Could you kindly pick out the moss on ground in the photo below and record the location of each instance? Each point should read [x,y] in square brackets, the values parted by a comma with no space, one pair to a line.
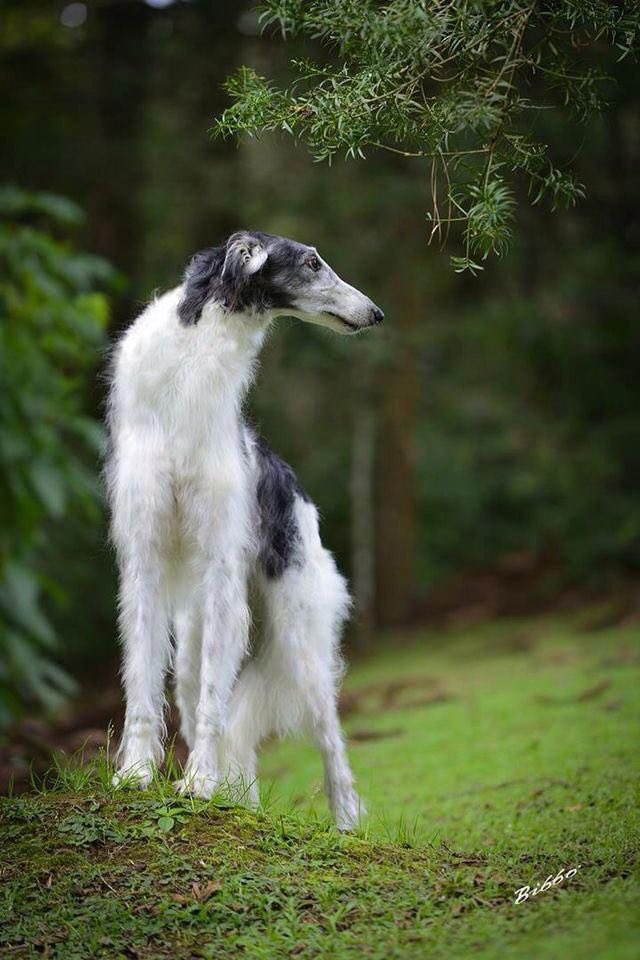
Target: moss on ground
[490,760]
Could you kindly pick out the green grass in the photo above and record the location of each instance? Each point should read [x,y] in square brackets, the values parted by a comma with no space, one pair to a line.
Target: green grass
[489,759]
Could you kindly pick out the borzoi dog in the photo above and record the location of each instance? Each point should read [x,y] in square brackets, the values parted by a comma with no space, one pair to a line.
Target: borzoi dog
[209,524]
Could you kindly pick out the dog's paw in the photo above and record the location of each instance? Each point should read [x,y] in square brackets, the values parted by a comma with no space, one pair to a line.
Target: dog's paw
[137,776]
[348,811]
[197,784]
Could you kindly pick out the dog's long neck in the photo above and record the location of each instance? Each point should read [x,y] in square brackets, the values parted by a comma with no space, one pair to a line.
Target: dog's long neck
[232,341]
[187,381]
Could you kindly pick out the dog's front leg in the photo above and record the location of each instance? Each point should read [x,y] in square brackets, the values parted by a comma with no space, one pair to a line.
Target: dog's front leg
[225,630]
[142,517]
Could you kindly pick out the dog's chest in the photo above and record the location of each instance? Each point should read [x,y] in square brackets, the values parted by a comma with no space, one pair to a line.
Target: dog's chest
[188,385]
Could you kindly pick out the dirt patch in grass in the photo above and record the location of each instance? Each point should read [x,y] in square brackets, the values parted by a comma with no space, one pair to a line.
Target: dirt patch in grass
[405,693]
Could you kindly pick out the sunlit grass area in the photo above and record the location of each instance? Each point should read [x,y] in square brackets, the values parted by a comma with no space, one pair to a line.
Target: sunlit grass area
[490,758]
[506,719]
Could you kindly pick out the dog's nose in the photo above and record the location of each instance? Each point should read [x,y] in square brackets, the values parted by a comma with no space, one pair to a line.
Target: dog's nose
[377,316]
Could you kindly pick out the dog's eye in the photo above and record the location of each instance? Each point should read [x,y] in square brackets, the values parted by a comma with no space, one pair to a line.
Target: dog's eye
[314,263]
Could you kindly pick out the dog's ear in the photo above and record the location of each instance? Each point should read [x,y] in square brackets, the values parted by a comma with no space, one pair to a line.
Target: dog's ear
[199,284]
[223,274]
[245,256]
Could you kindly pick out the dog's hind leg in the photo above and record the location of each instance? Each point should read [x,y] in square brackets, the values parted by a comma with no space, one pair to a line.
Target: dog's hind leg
[300,666]
[311,604]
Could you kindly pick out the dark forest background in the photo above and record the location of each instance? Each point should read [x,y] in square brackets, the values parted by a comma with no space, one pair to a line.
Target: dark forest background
[479,456]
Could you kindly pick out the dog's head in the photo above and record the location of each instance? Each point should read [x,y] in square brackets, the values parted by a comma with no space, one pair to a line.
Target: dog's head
[272,276]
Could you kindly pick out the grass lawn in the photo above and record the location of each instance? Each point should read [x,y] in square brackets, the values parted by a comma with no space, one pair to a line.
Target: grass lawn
[490,759]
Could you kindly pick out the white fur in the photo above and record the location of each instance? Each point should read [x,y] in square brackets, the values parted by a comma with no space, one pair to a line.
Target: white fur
[182,492]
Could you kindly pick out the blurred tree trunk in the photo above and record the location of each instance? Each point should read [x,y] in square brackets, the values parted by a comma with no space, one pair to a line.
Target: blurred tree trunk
[623,171]
[363,516]
[119,54]
[397,513]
